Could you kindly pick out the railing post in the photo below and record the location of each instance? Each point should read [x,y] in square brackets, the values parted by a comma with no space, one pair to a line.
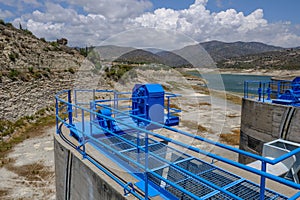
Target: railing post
[259,92]
[56,114]
[146,166]
[263,91]
[70,110]
[278,89]
[82,140]
[138,146]
[245,89]
[263,180]
[168,107]
[75,99]
[92,116]
[269,91]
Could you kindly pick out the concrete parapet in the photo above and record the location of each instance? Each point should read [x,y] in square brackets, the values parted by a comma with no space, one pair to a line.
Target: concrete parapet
[263,122]
[77,178]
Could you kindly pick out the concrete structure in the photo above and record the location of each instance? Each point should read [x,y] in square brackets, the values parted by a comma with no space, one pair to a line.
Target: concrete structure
[77,178]
[106,152]
[263,122]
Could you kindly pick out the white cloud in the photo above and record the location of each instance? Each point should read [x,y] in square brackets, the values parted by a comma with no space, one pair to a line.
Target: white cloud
[229,25]
[113,9]
[102,19]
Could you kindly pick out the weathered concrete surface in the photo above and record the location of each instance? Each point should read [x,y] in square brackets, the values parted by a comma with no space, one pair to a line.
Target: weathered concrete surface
[76,178]
[264,122]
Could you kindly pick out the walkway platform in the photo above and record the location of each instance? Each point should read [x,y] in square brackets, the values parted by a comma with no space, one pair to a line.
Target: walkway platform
[159,169]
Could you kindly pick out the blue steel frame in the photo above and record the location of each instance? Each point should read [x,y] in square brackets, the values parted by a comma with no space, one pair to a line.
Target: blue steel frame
[265,91]
[66,104]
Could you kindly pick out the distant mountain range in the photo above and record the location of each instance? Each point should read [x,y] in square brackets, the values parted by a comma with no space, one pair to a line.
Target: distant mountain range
[221,50]
[225,55]
[288,59]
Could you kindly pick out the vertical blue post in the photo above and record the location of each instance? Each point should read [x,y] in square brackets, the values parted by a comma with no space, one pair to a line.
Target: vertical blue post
[82,139]
[75,99]
[115,97]
[138,145]
[146,166]
[70,109]
[245,82]
[263,91]
[259,92]
[263,180]
[278,89]
[146,109]
[92,117]
[56,114]
[168,107]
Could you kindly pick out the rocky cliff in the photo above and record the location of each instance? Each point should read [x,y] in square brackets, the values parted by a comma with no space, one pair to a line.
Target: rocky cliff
[32,71]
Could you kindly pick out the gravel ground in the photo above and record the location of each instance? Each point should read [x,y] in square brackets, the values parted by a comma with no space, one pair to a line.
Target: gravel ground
[30,171]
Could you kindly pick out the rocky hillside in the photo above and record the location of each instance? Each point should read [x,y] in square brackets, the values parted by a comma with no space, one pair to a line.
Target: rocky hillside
[139,56]
[19,49]
[285,59]
[222,50]
[32,71]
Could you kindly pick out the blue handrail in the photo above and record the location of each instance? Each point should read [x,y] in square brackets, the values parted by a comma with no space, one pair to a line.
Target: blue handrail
[68,103]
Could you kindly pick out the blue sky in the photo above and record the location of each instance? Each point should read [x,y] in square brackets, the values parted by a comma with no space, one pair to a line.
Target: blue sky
[274,10]
[274,22]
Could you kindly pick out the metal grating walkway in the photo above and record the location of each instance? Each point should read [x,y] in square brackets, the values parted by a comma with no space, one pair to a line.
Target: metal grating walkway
[159,159]
[160,169]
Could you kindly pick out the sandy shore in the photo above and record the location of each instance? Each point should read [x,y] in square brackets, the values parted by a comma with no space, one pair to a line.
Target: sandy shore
[259,72]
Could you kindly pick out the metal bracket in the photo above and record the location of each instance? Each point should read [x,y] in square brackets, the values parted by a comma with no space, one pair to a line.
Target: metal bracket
[128,188]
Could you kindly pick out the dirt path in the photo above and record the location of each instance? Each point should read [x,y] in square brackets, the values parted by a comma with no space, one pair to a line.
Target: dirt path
[29,173]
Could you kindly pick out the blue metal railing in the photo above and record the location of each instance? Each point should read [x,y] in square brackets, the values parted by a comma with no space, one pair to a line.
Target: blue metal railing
[71,107]
[270,91]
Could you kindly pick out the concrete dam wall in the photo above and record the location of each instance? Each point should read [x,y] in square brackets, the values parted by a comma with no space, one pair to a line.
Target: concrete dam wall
[263,122]
[77,178]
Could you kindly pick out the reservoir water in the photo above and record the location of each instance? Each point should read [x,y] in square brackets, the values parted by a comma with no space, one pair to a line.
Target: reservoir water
[232,82]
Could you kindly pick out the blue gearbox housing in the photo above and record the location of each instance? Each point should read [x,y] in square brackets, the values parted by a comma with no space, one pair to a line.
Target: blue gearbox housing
[148,103]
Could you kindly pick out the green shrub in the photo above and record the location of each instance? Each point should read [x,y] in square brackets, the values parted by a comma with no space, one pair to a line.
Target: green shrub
[2,22]
[13,74]
[9,24]
[54,44]
[13,56]
[37,75]
[30,69]
[47,69]
[117,71]
[27,32]
[6,128]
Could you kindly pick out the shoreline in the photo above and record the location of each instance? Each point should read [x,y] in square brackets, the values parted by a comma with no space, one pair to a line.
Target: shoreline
[257,72]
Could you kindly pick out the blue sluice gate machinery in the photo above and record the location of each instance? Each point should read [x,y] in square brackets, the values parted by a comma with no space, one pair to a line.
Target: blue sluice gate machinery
[283,92]
[123,127]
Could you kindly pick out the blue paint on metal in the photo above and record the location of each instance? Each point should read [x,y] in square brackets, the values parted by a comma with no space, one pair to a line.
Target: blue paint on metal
[148,102]
[157,167]
[152,192]
[263,180]
[278,92]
